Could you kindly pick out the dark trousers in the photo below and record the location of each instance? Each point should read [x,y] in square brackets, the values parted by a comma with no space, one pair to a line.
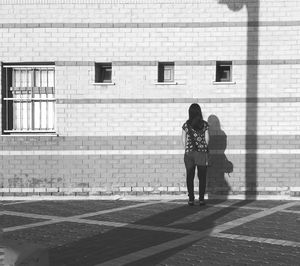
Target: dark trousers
[190,166]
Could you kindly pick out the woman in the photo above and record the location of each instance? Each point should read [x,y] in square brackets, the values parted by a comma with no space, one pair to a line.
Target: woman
[195,139]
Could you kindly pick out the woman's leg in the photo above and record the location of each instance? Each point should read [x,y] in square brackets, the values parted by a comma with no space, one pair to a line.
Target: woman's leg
[190,175]
[202,181]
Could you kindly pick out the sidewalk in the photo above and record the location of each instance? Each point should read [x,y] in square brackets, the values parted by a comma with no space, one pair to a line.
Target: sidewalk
[157,232]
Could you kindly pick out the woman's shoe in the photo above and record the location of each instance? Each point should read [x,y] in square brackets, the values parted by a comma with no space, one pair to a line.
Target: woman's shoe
[191,203]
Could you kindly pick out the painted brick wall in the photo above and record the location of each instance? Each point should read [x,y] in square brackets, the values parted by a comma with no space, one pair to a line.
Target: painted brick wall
[126,137]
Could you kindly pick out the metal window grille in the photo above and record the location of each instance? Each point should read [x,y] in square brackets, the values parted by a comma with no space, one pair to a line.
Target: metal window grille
[29,99]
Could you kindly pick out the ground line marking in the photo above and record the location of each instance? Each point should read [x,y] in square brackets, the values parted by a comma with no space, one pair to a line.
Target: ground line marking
[291,211]
[33,215]
[258,239]
[251,217]
[19,202]
[228,206]
[137,226]
[196,215]
[58,219]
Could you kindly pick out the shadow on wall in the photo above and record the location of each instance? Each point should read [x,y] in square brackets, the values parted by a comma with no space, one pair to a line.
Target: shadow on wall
[252,7]
[218,162]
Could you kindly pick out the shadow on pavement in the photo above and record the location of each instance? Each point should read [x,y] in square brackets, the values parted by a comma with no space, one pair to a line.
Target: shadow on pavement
[123,241]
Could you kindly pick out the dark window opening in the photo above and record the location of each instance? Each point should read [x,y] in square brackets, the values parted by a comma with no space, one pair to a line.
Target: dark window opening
[103,72]
[224,71]
[166,72]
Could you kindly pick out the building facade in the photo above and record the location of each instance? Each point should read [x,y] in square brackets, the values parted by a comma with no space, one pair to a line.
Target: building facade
[95,92]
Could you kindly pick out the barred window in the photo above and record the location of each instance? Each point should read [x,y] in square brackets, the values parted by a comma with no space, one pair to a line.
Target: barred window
[28,94]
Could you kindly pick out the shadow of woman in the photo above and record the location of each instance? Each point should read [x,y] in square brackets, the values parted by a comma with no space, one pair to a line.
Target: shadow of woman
[219,165]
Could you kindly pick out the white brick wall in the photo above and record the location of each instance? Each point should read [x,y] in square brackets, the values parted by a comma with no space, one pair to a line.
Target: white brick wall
[192,81]
[156,44]
[14,11]
[167,119]
[146,44]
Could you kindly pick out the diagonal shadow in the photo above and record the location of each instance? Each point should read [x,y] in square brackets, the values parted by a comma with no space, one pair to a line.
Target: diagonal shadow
[207,222]
[119,242]
[251,89]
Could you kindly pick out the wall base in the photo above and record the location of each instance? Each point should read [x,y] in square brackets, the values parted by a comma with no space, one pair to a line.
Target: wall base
[140,193]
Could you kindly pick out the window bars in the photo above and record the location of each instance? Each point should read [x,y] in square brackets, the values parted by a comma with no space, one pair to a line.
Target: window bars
[29,99]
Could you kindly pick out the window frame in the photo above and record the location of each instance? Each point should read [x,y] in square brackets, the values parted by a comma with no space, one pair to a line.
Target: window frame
[100,67]
[218,74]
[9,90]
[161,68]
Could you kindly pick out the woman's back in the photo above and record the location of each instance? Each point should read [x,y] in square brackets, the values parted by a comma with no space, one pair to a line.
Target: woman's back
[195,138]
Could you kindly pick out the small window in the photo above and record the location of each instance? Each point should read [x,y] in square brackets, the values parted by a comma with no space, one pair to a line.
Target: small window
[28,95]
[103,72]
[224,71]
[166,72]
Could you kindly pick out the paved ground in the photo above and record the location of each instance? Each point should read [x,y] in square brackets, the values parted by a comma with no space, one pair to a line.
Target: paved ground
[123,232]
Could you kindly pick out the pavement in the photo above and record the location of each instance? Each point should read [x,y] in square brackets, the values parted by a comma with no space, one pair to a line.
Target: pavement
[141,231]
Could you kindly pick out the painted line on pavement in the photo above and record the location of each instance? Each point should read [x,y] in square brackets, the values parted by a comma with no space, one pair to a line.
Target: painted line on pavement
[33,225]
[54,217]
[291,211]
[136,226]
[19,202]
[237,207]
[32,215]
[240,207]
[195,216]
[147,252]
[252,217]
[227,206]
[258,239]
[58,219]
[115,209]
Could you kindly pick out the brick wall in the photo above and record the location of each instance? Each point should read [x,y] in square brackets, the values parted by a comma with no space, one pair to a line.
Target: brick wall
[125,137]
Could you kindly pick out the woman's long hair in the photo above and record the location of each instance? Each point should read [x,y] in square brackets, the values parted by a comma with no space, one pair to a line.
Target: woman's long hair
[195,117]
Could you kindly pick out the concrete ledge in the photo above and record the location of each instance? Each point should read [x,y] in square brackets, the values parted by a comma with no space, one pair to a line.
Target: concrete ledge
[291,193]
[147,196]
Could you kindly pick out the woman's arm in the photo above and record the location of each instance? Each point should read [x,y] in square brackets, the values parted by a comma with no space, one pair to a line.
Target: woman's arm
[206,137]
[183,137]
